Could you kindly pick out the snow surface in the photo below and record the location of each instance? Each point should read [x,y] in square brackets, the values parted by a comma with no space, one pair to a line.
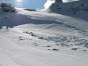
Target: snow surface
[43,39]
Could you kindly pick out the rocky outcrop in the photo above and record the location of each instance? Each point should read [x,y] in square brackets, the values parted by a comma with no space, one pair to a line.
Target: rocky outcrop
[58,1]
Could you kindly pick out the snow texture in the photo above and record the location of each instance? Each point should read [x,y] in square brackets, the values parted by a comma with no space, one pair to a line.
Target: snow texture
[43,38]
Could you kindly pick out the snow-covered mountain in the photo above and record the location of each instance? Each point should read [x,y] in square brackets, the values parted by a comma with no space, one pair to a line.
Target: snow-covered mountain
[70,7]
[48,37]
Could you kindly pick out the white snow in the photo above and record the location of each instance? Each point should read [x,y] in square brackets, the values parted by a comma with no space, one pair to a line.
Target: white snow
[43,39]
[48,3]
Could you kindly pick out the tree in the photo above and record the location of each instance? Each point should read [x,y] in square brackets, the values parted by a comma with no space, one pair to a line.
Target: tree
[7,7]
[3,5]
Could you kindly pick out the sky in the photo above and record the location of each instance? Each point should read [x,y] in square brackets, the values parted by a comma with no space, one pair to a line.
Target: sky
[32,4]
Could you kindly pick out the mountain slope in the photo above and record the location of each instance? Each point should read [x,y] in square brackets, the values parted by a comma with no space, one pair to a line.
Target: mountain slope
[74,7]
[42,39]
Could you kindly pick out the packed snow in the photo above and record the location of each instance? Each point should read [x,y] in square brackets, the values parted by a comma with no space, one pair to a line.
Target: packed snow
[39,38]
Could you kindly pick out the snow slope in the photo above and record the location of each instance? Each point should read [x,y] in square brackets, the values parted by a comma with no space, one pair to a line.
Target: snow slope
[70,8]
[42,39]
